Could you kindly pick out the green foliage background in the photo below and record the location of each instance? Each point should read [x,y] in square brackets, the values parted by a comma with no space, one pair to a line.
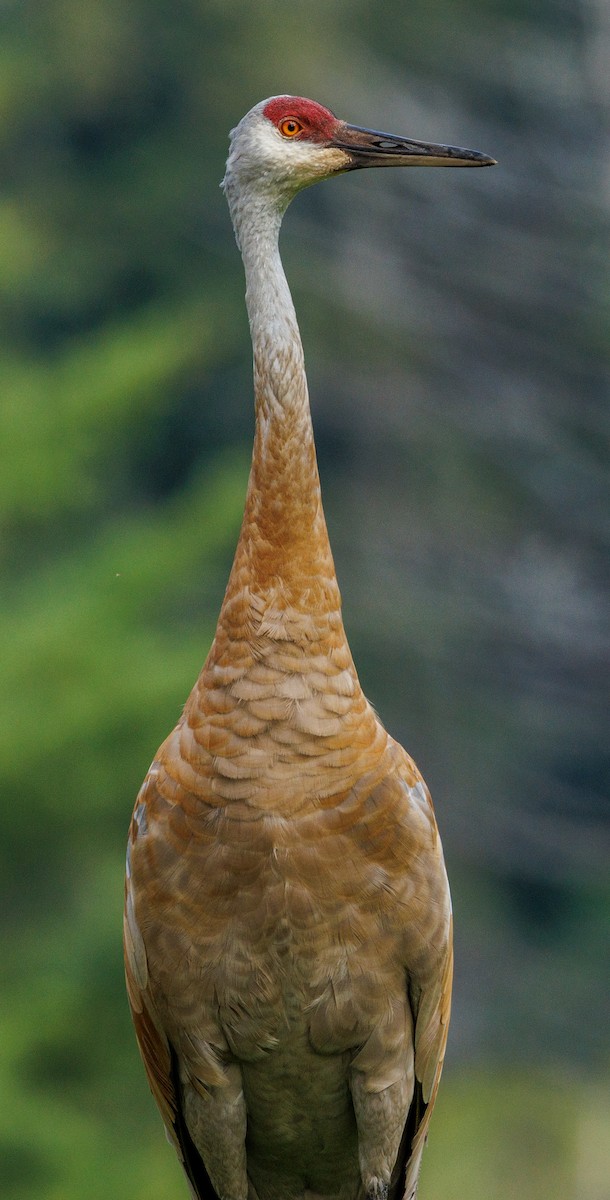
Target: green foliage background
[456,335]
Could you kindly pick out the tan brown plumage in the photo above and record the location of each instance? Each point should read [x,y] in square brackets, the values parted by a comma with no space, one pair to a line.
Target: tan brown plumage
[287,920]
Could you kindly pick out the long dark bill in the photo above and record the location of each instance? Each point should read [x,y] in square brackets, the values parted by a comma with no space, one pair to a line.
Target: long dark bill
[368,148]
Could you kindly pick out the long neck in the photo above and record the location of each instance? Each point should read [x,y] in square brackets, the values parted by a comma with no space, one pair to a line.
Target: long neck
[283,542]
[279,690]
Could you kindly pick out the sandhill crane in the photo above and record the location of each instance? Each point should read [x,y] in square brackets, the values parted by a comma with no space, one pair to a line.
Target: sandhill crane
[288,921]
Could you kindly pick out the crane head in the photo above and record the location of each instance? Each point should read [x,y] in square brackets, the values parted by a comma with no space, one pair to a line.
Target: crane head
[287,142]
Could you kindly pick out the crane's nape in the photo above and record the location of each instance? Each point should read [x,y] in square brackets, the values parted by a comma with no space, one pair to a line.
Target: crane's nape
[289,140]
[288,927]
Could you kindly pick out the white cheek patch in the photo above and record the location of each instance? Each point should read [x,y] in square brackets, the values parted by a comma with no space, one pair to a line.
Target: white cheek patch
[259,151]
[316,162]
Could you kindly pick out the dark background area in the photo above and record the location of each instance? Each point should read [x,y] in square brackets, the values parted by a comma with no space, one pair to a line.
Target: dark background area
[456,330]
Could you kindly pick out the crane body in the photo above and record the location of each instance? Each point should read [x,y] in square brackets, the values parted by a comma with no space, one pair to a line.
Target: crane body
[287,920]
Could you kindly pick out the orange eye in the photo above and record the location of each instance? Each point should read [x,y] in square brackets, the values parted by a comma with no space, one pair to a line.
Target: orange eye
[289,127]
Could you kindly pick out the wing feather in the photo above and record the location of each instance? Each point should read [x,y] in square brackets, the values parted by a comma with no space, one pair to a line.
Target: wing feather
[159,1057]
[431,1028]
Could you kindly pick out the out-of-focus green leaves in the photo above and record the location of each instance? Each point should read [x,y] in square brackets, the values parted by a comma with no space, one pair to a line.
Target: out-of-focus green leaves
[524,1135]
[66,421]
